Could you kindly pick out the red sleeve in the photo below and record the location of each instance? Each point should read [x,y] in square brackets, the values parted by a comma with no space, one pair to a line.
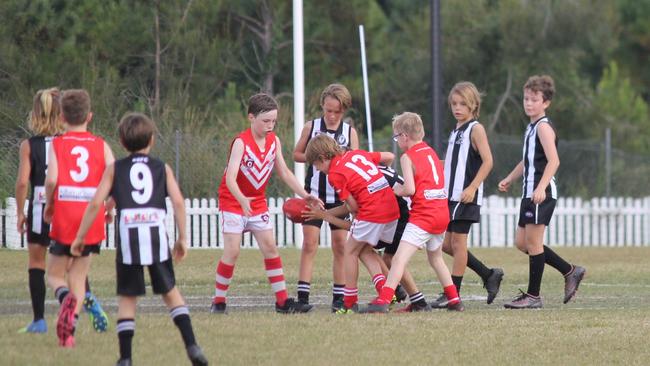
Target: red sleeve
[338,182]
[376,157]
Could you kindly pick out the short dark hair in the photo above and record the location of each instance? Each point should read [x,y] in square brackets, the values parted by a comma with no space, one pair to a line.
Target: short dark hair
[543,84]
[261,103]
[136,130]
[75,105]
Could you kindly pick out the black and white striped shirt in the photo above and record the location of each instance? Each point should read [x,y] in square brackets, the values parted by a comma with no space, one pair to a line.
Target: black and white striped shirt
[38,158]
[393,178]
[315,182]
[139,190]
[462,163]
[535,160]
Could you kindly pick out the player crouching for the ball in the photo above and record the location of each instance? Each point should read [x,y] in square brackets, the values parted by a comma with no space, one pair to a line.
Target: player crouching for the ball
[242,201]
[364,189]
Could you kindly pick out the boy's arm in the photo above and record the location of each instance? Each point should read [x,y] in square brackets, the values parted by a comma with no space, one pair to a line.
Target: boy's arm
[108,155]
[174,192]
[289,178]
[92,209]
[236,154]
[301,145]
[354,139]
[517,172]
[408,188]
[50,184]
[386,158]
[330,216]
[547,138]
[479,139]
[22,184]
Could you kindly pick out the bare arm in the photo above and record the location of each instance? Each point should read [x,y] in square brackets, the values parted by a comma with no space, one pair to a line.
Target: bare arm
[174,192]
[22,183]
[480,142]
[330,216]
[236,154]
[50,184]
[386,158]
[547,138]
[517,172]
[408,188]
[289,178]
[301,145]
[108,155]
[354,139]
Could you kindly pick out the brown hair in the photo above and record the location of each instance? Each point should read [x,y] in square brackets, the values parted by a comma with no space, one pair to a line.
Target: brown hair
[45,117]
[322,147]
[75,104]
[338,92]
[410,124]
[543,84]
[135,130]
[470,95]
[261,103]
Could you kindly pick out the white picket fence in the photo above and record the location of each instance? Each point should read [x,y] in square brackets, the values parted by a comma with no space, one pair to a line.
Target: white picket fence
[576,222]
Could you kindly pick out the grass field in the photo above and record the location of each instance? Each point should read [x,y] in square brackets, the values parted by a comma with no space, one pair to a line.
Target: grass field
[608,323]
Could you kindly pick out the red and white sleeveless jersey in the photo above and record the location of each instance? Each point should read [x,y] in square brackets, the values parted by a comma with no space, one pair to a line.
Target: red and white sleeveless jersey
[429,208]
[80,161]
[254,171]
[355,173]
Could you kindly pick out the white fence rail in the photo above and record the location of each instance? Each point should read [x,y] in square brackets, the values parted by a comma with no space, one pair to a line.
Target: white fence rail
[576,222]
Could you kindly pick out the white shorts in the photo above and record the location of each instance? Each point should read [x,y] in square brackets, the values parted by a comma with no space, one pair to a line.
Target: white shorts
[233,223]
[414,235]
[372,232]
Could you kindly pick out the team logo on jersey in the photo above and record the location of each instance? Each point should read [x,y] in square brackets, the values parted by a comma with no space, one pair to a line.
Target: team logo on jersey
[249,163]
[342,140]
[459,139]
[265,218]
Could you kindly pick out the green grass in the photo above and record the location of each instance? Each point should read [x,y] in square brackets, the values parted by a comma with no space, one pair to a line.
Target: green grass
[608,323]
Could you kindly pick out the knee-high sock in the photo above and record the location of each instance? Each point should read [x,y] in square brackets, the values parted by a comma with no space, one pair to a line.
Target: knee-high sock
[37,292]
[276,277]
[222,282]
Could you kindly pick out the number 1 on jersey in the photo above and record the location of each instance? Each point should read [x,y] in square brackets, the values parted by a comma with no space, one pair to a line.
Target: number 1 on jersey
[436,178]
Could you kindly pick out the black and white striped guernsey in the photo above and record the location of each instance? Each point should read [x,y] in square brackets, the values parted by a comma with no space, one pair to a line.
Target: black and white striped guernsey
[535,161]
[462,162]
[393,178]
[315,182]
[38,158]
[139,190]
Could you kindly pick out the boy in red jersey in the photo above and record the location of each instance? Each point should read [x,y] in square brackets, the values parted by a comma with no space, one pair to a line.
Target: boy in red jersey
[364,189]
[242,201]
[76,163]
[424,182]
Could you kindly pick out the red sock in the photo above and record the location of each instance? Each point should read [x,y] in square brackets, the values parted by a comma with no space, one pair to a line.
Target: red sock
[350,296]
[451,294]
[276,278]
[379,280]
[224,275]
[386,294]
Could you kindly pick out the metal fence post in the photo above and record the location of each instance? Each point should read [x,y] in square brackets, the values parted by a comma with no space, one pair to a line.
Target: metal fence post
[177,146]
[608,162]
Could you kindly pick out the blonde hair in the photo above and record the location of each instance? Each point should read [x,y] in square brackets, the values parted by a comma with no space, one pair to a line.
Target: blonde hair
[410,124]
[543,84]
[45,117]
[322,147]
[338,92]
[470,94]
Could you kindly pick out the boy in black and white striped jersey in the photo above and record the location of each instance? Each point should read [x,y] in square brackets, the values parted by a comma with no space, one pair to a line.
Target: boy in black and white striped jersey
[467,163]
[139,184]
[538,166]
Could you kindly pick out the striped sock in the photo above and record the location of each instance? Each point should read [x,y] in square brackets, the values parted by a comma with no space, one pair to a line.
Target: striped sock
[416,297]
[125,332]
[181,317]
[61,293]
[303,291]
[350,296]
[276,278]
[379,280]
[223,277]
[337,291]
[452,294]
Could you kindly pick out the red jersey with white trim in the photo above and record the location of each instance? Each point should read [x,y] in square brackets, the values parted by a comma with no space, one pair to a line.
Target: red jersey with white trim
[429,207]
[81,163]
[355,173]
[254,171]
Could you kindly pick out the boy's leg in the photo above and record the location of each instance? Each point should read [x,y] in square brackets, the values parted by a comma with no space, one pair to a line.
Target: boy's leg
[573,274]
[91,305]
[339,238]
[126,325]
[310,235]
[491,276]
[373,263]
[225,270]
[442,272]
[37,288]
[274,270]
[351,261]
[459,247]
[181,317]
[533,235]
[416,298]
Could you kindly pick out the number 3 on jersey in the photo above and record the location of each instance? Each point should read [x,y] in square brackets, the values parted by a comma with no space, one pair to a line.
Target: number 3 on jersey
[141,180]
[365,174]
[82,163]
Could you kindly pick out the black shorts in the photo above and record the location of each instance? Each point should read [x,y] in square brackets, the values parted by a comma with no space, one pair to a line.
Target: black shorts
[460,226]
[57,248]
[319,223]
[464,211]
[391,248]
[530,213]
[130,278]
[42,238]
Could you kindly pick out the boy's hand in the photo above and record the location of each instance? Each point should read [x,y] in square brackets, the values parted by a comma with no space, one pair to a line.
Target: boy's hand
[109,217]
[21,223]
[467,196]
[76,247]
[314,213]
[246,206]
[48,212]
[313,201]
[539,195]
[504,185]
[180,250]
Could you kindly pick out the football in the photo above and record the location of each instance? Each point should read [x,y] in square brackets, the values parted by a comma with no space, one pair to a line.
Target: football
[293,208]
